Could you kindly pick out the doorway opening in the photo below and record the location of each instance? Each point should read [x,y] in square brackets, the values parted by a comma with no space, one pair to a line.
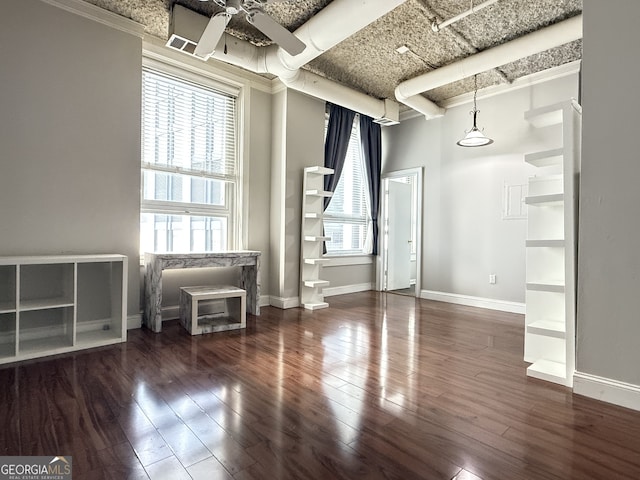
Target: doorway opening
[401,239]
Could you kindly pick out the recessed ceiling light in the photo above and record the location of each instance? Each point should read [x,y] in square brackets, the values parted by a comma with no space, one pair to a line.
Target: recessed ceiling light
[402,49]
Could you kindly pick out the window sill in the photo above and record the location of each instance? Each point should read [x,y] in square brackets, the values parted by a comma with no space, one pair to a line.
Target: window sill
[345,260]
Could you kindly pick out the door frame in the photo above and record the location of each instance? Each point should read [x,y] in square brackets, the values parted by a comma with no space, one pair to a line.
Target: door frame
[416,173]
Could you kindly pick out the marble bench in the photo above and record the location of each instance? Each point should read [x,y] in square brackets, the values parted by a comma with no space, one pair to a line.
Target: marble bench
[234,317]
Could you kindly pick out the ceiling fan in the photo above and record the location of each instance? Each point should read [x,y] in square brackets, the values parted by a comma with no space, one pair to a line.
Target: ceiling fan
[256,17]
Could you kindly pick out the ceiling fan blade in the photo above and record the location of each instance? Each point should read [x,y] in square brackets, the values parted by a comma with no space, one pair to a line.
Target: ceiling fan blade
[211,35]
[276,32]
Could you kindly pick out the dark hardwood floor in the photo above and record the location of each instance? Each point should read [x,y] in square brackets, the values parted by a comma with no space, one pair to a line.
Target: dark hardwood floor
[376,386]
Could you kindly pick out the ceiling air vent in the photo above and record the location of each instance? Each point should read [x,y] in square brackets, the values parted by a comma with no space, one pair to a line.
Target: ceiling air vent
[185,29]
[391,114]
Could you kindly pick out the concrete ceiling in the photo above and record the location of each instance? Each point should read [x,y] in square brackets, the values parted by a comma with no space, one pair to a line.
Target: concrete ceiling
[368,61]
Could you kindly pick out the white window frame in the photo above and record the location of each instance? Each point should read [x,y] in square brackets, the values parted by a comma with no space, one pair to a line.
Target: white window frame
[232,210]
[346,218]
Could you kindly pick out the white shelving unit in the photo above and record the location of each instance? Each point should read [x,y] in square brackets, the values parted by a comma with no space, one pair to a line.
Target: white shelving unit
[311,260]
[551,247]
[58,304]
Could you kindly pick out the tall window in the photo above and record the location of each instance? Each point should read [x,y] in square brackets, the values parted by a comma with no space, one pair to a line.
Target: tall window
[189,166]
[347,216]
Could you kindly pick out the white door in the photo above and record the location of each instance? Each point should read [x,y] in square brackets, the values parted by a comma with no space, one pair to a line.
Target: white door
[399,239]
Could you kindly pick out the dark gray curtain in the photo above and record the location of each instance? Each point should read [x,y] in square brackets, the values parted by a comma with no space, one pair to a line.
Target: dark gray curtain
[336,144]
[371,139]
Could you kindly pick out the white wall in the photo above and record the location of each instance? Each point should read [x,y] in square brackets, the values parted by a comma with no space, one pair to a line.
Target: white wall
[608,329]
[464,236]
[70,136]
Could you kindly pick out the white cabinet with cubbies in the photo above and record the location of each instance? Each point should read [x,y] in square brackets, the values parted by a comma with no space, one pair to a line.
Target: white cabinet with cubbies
[311,262]
[551,247]
[58,304]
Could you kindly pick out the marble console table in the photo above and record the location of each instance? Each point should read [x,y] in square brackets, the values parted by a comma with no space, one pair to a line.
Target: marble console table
[249,260]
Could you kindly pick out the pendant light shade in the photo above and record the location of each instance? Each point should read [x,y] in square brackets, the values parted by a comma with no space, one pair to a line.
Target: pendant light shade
[475,137]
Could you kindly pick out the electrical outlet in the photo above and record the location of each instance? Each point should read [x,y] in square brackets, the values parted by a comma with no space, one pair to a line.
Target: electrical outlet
[492,278]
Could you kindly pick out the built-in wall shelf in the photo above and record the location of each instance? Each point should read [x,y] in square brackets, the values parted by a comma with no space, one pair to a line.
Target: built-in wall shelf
[552,328]
[546,287]
[316,283]
[58,304]
[316,238]
[319,170]
[552,200]
[318,193]
[313,238]
[548,370]
[558,243]
[551,247]
[545,159]
[315,306]
[317,261]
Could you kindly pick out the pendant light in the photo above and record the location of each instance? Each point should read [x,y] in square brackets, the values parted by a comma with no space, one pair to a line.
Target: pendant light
[475,137]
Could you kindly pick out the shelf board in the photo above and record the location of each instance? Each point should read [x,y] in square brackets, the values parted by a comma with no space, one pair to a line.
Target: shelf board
[544,116]
[45,303]
[44,346]
[546,287]
[318,193]
[315,306]
[549,328]
[548,370]
[545,243]
[316,283]
[546,178]
[95,338]
[546,158]
[316,238]
[319,170]
[317,261]
[7,307]
[545,200]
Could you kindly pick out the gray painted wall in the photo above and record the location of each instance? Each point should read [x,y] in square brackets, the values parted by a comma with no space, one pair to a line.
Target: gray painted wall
[464,236]
[276,214]
[345,275]
[298,142]
[305,148]
[259,185]
[608,329]
[70,136]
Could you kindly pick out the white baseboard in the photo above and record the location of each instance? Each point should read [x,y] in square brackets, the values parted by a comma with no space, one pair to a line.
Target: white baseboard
[358,287]
[490,303]
[284,303]
[608,390]
[134,321]
[265,300]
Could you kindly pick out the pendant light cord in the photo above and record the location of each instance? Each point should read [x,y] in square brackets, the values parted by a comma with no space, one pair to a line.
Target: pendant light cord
[475,94]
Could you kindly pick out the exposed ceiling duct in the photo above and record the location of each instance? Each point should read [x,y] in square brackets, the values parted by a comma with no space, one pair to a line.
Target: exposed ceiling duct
[336,22]
[408,92]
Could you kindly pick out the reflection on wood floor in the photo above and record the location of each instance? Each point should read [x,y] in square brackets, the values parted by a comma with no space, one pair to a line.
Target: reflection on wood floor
[377,386]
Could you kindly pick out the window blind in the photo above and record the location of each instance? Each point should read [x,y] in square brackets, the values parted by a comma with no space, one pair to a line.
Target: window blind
[346,216]
[190,175]
[187,128]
